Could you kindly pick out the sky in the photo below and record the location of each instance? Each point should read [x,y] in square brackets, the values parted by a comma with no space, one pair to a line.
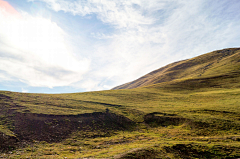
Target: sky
[67,46]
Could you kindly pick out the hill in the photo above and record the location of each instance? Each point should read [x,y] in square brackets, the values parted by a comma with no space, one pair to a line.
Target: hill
[192,117]
[211,65]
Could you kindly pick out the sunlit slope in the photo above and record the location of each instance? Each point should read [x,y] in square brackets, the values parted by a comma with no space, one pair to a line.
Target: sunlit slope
[166,116]
[214,64]
[199,113]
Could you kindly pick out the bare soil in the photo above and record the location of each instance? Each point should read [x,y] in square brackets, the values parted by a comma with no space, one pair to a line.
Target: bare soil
[55,128]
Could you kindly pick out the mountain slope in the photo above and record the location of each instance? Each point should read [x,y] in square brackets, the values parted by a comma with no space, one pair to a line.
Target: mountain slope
[216,63]
[193,115]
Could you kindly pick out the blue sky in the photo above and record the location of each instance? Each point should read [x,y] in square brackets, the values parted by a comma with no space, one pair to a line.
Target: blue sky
[64,46]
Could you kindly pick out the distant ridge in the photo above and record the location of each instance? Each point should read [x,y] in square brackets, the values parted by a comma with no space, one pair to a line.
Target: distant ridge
[213,64]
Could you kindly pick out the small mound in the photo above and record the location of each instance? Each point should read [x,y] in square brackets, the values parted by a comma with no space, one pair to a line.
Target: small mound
[137,154]
[163,119]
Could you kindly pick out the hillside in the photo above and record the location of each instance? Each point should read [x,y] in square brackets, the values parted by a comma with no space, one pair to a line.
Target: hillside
[213,64]
[192,116]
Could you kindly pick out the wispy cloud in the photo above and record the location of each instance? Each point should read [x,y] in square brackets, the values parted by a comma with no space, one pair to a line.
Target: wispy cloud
[122,14]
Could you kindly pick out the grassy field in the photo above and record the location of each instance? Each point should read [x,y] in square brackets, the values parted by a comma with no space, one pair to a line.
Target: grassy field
[210,126]
[194,117]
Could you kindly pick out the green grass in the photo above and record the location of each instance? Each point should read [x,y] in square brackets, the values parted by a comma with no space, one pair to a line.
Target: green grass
[200,116]
[217,107]
[6,131]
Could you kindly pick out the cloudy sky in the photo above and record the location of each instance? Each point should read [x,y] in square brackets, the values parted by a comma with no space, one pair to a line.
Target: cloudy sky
[61,46]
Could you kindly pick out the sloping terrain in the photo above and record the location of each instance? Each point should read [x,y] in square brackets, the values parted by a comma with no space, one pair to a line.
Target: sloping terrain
[132,123]
[214,64]
[193,117]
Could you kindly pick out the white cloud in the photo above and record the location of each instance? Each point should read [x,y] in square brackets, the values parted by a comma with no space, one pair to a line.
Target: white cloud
[35,51]
[121,14]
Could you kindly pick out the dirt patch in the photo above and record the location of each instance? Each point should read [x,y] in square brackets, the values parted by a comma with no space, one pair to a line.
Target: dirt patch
[55,128]
[163,119]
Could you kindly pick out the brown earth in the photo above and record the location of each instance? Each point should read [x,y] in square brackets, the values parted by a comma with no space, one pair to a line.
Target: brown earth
[29,127]
[55,128]
[163,119]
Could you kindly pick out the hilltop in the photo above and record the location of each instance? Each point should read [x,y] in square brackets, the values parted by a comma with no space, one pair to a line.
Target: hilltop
[188,109]
[211,65]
